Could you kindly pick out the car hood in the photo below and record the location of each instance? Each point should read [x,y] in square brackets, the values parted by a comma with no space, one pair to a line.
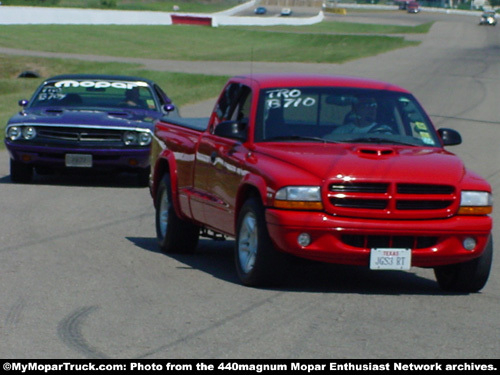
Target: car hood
[87,117]
[367,163]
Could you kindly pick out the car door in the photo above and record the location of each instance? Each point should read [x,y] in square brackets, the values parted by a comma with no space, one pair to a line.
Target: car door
[222,169]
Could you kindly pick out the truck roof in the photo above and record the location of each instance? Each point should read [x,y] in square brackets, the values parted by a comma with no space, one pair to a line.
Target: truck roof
[267,80]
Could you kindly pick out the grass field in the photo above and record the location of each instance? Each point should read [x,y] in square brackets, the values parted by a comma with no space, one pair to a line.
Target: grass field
[183,42]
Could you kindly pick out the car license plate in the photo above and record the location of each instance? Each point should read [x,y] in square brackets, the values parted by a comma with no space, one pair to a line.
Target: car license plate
[390,259]
[79,160]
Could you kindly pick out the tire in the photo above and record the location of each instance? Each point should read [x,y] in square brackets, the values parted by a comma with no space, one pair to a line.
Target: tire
[174,234]
[468,277]
[257,261]
[20,172]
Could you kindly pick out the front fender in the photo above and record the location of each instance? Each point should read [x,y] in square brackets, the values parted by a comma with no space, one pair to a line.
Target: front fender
[252,185]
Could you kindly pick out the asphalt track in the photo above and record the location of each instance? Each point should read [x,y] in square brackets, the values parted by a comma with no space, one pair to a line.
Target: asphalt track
[81,275]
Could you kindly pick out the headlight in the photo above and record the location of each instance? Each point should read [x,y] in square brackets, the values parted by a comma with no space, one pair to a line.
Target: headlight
[14,132]
[25,132]
[299,197]
[144,138]
[475,203]
[29,132]
[130,138]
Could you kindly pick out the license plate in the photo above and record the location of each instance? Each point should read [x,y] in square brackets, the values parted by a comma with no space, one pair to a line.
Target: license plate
[78,160]
[390,259]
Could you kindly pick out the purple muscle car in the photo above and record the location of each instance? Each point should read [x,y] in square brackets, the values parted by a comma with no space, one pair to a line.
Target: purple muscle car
[91,122]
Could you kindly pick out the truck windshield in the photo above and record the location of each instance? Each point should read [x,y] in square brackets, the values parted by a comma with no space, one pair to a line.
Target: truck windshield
[342,115]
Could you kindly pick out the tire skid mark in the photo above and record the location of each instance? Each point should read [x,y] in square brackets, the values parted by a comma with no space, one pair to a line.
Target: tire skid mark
[14,314]
[69,331]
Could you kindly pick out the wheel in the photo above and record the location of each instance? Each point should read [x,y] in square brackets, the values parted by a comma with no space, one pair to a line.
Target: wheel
[20,172]
[468,277]
[174,234]
[257,261]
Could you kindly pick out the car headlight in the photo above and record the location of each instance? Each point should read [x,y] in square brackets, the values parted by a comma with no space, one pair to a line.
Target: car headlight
[17,132]
[475,203]
[14,133]
[144,138]
[299,197]
[130,138]
[29,132]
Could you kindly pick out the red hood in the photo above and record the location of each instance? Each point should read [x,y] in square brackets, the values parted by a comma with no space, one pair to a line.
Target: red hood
[371,162]
[376,181]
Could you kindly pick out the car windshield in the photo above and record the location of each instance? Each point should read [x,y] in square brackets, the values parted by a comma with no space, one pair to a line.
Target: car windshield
[94,93]
[342,115]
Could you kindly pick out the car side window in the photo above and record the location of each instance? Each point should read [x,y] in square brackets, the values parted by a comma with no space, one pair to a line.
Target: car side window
[242,105]
[228,101]
[162,96]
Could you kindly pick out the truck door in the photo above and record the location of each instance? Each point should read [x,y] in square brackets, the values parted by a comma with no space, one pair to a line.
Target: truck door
[223,161]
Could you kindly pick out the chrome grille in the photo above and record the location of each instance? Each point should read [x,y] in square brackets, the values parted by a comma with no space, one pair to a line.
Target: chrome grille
[79,134]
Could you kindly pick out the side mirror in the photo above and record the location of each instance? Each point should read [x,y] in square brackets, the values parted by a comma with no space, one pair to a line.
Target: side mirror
[169,107]
[450,137]
[23,102]
[232,129]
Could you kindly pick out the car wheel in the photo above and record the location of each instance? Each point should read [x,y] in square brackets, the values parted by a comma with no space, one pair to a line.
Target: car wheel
[174,234]
[257,261]
[468,277]
[20,172]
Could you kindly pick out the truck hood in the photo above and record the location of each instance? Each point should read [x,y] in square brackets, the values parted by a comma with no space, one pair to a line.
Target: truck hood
[376,181]
[91,117]
[369,162]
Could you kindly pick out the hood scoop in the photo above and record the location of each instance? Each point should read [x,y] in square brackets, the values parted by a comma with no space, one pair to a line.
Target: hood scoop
[119,114]
[375,151]
[53,111]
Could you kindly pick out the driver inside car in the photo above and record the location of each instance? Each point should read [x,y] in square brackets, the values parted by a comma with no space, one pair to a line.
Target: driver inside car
[133,98]
[362,119]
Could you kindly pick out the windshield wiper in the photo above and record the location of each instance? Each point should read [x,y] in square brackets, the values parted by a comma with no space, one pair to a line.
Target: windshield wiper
[369,139]
[298,138]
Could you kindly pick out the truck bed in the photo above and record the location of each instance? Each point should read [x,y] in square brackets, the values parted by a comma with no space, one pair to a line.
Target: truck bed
[194,123]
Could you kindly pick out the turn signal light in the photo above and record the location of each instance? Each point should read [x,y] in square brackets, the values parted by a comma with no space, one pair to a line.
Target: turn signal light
[483,210]
[298,205]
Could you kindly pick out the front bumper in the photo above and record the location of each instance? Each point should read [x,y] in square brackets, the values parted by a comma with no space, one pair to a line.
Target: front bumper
[349,240]
[102,158]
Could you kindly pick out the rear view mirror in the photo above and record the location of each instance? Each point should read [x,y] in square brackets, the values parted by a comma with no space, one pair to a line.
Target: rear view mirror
[232,129]
[450,137]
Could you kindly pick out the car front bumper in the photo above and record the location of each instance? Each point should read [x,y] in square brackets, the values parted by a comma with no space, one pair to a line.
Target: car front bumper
[350,240]
[102,158]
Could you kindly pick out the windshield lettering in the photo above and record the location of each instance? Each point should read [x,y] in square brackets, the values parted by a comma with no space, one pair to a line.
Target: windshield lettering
[339,114]
[99,84]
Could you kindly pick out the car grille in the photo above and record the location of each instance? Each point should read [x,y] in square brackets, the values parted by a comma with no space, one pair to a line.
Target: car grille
[391,200]
[78,134]
[401,242]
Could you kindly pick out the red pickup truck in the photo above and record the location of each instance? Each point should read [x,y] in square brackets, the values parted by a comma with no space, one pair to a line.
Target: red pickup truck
[334,169]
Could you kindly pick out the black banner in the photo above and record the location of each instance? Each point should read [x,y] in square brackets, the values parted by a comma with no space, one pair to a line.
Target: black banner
[250,366]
